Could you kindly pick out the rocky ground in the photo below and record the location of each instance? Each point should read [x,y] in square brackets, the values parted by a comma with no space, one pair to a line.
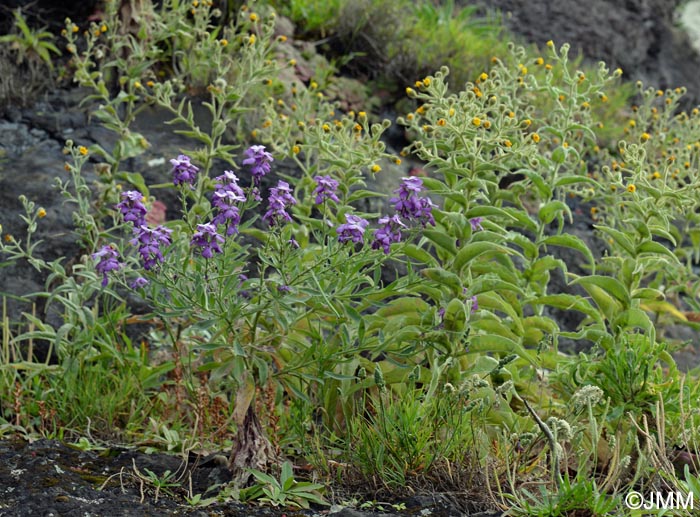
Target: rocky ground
[50,478]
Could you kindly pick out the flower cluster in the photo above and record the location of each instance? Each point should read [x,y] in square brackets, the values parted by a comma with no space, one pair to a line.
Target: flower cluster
[108,261]
[149,241]
[409,205]
[183,171]
[388,233]
[260,164]
[353,229]
[326,189]
[226,195]
[280,198]
[208,239]
[132,207]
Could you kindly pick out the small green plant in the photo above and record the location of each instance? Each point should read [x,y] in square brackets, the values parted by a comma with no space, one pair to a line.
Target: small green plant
[286,491]
[30,44]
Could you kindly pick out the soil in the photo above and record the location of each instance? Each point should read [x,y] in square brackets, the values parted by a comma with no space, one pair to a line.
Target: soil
[50,478]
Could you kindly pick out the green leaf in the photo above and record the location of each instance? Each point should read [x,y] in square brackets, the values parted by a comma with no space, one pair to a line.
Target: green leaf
[572,180]
[419,254]
[568,240]
[619,237]
[648,293]
[493,343]
[632,318]
[656,248]
[473,250]
[567,301]
[610,285]
[442,240]
[443,277]
[549,211]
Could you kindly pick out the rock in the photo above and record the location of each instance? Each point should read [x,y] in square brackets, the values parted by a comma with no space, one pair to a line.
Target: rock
[640,36]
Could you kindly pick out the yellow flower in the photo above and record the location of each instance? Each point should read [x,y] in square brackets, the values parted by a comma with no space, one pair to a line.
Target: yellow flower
[562,97]
[550,44]
[83,150]
[585,105]
[441,122]
[477,91]
[547,66]
[487,124]
[613,188]
[483,76]
[362,115]
[410,92]
[594,210]
[253,17]
[476,121]
[397,161]
[632,123]
[644,137]
[656,175]
[426,81]
[357,128]
[41,213]
[326,127]
[659,93]
[150,84]
[267,123]
[603,98]
[296,149]
[695,111]
[8,237]
[686,165]
[292,62]
[618,72]
[103,28]
[223,42]
[74,28]
[251,39]
[451,112]
[539,61]
[375,168]
[410,116]
[535,137]
[631,188]
[527,122]
[282,38]
[507,143]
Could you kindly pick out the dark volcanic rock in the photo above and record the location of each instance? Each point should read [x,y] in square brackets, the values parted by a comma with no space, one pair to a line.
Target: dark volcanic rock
[642,37]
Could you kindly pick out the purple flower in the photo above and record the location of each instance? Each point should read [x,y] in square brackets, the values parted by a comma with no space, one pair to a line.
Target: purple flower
[409,205]
[183,170]
[108,261]
[475,222]
[259,160]
[138,283]
[475,304]
[326,189]
[208,239]
[132,207]
[293,243]
[228,181]
[353,229]
[149,242]
[390,232]
[280,198]
[284,288]
[227,213]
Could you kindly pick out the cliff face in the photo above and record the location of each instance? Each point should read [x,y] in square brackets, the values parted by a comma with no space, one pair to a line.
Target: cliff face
[643,37]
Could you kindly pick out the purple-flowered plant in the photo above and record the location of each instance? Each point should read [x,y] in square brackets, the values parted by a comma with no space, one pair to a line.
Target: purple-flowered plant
[108,261]
[138,283]
[409,205]
[183,170]
[132,208]
[227,213]
[280,199]
[259,160]
[208,239]
[388,233]
[353,229]
[326,189]
[475,223]
[228,181]
[149,241]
